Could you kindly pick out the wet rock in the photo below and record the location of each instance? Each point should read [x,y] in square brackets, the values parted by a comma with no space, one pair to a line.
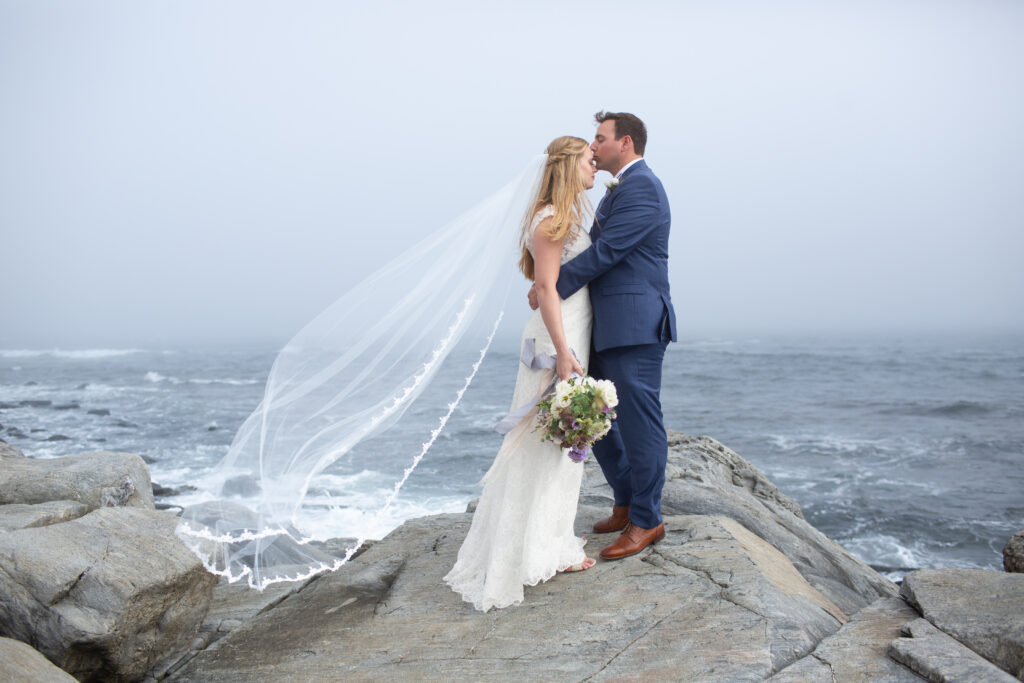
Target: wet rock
[81,478]
[19,516]
[21,663]
[67,406]
[35,403]
[1013,553]
[58,437]
[165,491]
[244,485]
[982,609]
[102,412]
[104,596]
[7,406]
[125,424]
[938,657]
[16,433]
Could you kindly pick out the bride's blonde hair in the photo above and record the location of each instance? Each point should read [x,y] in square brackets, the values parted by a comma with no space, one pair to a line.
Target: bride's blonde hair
[561,186]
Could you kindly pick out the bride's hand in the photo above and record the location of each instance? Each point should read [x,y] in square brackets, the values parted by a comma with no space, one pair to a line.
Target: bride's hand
[533,299]
[566,364]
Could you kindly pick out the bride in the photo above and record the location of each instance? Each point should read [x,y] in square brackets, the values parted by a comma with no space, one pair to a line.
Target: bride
[522,530]
[353,371]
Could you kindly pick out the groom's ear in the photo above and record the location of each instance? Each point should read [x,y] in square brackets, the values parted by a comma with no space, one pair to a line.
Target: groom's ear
[627,143]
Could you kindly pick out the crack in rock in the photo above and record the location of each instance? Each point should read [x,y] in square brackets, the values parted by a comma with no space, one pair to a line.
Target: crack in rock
[633,642]
[831,671]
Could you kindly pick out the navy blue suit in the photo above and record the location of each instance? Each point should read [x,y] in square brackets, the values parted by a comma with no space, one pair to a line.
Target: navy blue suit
[627,270]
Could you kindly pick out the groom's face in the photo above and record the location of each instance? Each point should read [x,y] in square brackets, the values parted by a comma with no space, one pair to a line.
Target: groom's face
[607,150]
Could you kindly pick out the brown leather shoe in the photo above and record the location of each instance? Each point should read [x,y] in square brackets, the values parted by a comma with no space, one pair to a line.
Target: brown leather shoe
[633,540]
[617,522]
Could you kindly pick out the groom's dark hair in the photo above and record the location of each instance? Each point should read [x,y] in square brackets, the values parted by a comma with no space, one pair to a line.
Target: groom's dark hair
[626,124]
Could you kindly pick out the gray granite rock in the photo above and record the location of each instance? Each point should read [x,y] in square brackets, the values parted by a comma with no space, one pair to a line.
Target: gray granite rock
[1013,553]
[942,659]
[704,477]
[982,609]
[20,663]
[9,451]
[104,596]
[82,478]
[858,652]
[710,602]
[18,516]
[232,605]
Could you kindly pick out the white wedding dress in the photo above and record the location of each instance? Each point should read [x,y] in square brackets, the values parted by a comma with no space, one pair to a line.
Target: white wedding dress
[522,530]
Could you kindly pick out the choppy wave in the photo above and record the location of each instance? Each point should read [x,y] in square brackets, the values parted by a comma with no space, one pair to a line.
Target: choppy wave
[952,409]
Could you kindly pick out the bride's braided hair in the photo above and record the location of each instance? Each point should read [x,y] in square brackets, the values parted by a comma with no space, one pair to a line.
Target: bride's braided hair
[562,187]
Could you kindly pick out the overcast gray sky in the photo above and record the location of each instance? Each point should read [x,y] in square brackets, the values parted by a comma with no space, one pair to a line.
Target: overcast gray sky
[191,172]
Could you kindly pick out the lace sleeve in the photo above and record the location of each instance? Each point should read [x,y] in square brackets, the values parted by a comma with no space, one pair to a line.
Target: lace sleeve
[538,218]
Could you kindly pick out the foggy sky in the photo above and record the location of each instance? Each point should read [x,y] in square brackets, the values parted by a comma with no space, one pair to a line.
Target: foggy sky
[175,173]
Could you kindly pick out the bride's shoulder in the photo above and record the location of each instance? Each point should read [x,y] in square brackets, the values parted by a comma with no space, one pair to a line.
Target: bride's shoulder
[546,211]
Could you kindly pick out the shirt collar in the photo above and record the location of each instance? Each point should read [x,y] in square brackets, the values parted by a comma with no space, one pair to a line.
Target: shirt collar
[623,169]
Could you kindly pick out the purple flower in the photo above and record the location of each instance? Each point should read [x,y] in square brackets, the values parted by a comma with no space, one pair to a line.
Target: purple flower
[578,453]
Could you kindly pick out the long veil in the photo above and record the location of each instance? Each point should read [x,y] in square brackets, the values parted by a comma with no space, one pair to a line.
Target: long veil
[347,376]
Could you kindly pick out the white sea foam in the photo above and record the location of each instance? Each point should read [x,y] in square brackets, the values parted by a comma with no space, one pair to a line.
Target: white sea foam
[898,557]
[79,354]
[156,377]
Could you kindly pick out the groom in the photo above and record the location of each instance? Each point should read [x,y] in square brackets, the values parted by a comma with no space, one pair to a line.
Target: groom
[627,270]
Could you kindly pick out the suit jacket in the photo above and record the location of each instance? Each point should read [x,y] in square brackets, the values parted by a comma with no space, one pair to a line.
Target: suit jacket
[627,265]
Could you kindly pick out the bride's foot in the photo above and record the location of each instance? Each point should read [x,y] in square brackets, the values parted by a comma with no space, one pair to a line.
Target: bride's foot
[587,563]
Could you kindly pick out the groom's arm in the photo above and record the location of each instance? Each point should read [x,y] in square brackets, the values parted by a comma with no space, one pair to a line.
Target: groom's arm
[637,213]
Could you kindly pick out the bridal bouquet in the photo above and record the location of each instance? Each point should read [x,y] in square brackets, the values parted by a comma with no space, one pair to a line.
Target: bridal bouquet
[578,413]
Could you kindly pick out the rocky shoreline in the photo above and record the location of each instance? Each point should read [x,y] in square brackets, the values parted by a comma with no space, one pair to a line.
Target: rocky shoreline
[93,583]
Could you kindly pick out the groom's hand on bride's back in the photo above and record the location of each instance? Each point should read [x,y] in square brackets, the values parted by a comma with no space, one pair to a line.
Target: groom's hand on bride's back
[532,298]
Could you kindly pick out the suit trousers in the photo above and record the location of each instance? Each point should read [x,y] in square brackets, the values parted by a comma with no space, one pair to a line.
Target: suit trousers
[633,454]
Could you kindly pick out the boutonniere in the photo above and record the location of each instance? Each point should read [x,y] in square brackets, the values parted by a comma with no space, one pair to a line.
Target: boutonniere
[612,184]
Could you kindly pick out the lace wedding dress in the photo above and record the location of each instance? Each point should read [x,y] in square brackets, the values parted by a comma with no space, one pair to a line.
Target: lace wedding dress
[522,530]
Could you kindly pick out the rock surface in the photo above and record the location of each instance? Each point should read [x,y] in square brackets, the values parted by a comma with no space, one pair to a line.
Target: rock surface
[982,609]
[20,663]
[1013,553]
[705,477]
[18,516]
[940,658]
[387,615]
[104,596]
[81,478]
[858,652]
[9,451]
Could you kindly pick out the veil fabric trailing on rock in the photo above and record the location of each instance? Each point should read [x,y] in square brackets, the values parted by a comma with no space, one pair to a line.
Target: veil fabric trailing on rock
[347,376]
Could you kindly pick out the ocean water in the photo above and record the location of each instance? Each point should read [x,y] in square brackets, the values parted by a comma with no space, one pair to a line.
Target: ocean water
[908,452]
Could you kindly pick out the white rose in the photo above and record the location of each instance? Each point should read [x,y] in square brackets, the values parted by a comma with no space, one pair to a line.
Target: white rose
[606,389]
